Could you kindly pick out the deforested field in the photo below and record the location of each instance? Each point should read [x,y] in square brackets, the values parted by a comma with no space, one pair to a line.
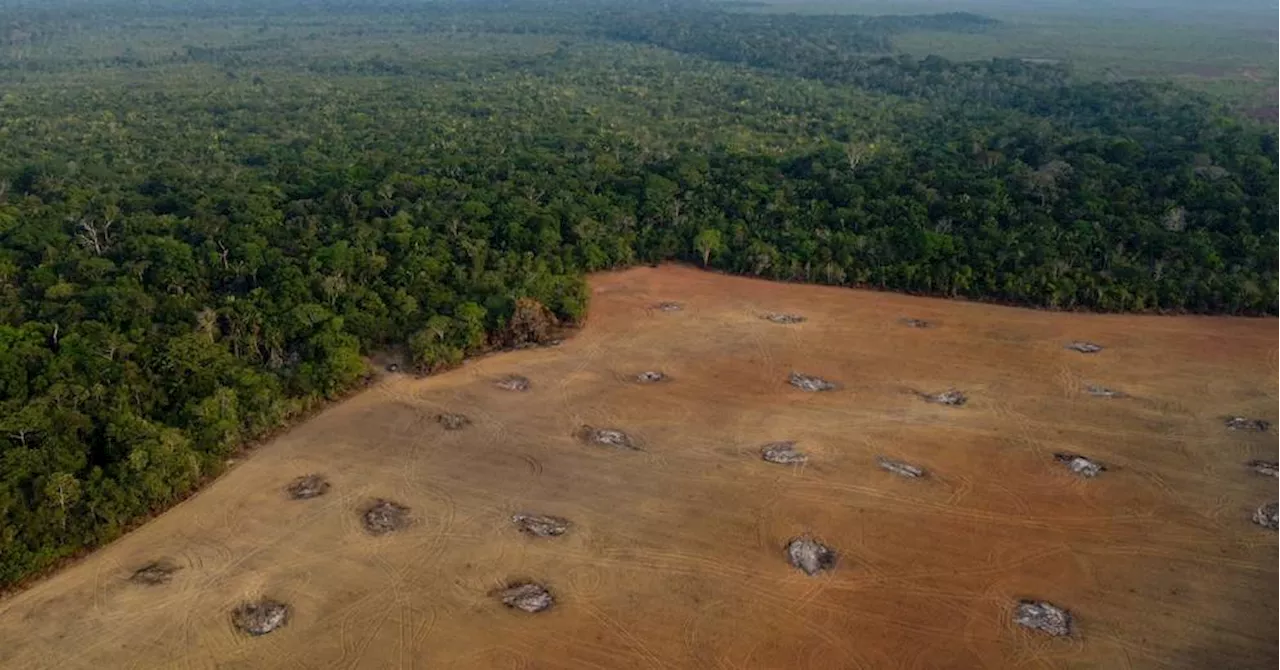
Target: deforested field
[667,531]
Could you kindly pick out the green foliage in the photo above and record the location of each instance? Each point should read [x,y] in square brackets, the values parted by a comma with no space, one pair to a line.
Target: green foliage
[207,220]
[707,242]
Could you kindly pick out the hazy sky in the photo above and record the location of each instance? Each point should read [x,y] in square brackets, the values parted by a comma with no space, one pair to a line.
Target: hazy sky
[1263,12]
[1079,5]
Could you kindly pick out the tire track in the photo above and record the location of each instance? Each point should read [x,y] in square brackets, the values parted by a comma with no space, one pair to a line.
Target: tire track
[633,641]
[584,581]
[901,583]
[535,466]
[1146,551]
[675,561]
[424,629]
[1159,484]
[445,517]
[362,644]
[960,491]
[345,615]
[767,362]
[1004,412]
[941,509]
[1070,384]
[1020,505]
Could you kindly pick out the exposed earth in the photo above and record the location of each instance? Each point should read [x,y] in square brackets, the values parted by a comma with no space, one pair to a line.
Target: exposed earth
[677,556]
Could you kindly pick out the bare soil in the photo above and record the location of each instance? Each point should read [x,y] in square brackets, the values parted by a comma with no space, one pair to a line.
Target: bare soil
[676,557]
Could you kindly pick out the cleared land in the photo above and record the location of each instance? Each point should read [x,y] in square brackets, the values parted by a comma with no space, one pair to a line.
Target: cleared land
[675,556]
[1226,49]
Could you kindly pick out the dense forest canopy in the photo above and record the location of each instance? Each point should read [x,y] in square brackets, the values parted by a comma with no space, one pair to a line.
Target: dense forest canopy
[210,215]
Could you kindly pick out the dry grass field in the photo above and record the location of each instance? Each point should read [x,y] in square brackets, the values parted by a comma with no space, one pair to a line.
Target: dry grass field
[675,557]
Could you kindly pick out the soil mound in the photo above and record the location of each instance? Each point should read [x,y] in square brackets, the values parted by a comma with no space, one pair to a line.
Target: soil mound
[783,453]
[1084,347]
[810,555]
[1104,392]
[261,617]
[452,421]
[607,437]
[541,525]
[784,318]
[651,376]
[1268,468]
[307,486]
[950,398]
[527,597]
[899,468]
[384,516]
[1266,516]
[154,573]
[1043,617]
[810,383]
[1246,424]
[915,323]
[514,383]
[1080,465]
